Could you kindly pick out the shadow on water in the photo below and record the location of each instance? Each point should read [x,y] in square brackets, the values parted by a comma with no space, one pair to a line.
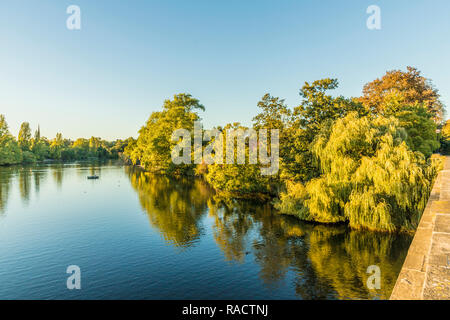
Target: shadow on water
[328,262]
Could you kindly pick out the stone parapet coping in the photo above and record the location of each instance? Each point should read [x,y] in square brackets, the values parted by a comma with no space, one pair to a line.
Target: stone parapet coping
[425,274]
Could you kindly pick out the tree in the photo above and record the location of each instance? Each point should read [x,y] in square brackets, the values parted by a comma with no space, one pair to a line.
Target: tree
[10,152]
[37,134]
[397,88]
[317,107]
[445,138]
[369,177]
[129,152]
[154,144]
[274,113]
[420,127]
[238,180]
[40,148]
[24,137]
[57,146]
[118,147]
[28,157]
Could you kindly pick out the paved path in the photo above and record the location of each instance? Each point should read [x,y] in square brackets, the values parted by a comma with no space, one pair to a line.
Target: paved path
[426,271]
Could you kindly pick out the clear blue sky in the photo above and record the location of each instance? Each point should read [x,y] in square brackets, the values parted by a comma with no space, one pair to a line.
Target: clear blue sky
[106,79]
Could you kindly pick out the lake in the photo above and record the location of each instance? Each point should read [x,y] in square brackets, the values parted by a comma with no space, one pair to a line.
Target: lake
[135,235]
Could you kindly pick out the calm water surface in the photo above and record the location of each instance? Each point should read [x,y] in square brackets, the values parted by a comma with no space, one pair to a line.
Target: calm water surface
[139,236]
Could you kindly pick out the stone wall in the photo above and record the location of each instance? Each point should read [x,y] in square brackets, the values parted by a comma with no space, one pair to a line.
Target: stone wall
[426,271]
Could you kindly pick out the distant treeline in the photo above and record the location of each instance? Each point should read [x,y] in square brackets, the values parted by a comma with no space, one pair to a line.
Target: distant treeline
[366,161]
[30,149]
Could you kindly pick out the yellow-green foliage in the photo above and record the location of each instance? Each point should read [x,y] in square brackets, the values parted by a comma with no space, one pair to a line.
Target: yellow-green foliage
[370,178]
[238,180]
[445,140]
[10,152]
[27,149]
[362,161]
[446,130]
[292,201]
[419,125]
[152,149]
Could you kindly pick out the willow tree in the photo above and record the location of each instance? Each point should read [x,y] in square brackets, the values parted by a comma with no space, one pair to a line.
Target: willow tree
[369,177]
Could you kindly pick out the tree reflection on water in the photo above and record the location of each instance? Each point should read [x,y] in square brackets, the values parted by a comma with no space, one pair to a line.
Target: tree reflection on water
[329,261]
